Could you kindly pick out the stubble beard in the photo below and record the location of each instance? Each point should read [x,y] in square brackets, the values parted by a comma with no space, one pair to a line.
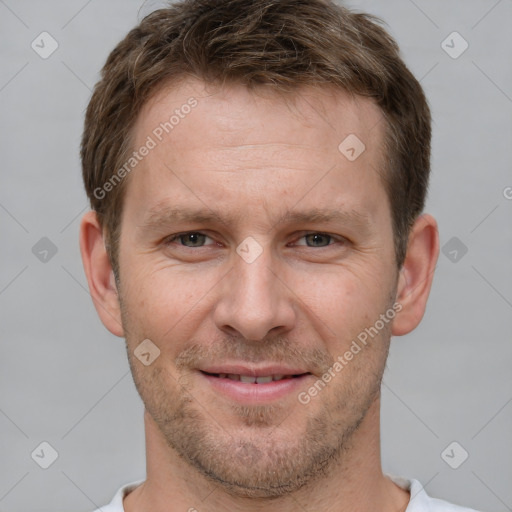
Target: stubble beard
[255,463]
[264,461]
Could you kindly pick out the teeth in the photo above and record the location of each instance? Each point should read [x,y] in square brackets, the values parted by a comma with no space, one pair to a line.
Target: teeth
[263,380]
[248,379]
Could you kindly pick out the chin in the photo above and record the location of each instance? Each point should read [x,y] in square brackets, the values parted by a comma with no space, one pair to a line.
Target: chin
[256,462]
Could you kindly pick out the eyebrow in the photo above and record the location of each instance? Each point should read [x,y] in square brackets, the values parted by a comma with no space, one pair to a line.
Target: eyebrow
[318,215]
[162,216]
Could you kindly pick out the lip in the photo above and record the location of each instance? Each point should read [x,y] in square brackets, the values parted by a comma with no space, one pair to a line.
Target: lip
[254,371]
[253,393]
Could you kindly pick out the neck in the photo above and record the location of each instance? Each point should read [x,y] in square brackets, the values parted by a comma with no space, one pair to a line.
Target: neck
[355,483]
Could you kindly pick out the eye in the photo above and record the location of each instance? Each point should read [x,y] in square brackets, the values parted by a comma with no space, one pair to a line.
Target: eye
[316,240]
[191,239]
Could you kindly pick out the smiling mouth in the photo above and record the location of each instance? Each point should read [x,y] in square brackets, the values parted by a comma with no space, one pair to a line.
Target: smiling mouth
[251,379]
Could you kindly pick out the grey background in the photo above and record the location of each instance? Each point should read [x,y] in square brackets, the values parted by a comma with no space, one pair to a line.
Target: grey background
[65,380]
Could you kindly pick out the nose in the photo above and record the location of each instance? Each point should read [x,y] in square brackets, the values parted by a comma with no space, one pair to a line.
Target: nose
[254,300]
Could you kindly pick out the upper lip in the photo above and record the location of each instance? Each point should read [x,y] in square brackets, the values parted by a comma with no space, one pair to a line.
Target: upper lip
[254,371]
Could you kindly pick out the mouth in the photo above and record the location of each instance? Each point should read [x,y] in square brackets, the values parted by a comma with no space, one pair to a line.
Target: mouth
[255,386]
[252,379]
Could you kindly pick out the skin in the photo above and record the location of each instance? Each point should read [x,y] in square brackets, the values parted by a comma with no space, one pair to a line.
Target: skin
[252,157]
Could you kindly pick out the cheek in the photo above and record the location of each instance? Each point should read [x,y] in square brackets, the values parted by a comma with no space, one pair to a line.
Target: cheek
[343,302]
[164,303]
[340,291]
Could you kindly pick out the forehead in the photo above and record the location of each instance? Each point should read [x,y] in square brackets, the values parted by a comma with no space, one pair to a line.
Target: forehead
[262,112]
[227,142]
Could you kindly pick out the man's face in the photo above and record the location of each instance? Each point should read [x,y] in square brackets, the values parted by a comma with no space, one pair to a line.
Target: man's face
[254,168]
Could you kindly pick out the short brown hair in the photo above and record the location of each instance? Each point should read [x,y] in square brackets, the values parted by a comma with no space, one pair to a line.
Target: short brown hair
[283,44]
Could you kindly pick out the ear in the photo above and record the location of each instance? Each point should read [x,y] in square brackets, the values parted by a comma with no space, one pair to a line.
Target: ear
[416,275]
[99,273]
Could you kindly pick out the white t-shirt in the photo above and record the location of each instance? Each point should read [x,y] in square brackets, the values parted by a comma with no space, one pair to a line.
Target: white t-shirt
[420,501]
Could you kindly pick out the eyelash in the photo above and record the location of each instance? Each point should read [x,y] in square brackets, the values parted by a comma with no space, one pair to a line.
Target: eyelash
[334,238]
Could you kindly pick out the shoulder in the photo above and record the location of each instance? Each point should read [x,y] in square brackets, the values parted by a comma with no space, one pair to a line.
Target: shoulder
[437,505]
[116,505]
[421,502]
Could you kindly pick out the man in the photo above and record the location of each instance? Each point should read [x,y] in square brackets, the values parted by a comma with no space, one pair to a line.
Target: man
[257,172]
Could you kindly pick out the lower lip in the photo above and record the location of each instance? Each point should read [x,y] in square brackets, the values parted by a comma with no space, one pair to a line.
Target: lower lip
[256,393]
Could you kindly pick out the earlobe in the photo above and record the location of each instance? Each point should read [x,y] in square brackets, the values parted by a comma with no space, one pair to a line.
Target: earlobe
[416,275]
[98,270]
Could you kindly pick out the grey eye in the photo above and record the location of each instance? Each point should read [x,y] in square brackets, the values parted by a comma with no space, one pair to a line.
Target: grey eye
[193,239]
[317,240]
